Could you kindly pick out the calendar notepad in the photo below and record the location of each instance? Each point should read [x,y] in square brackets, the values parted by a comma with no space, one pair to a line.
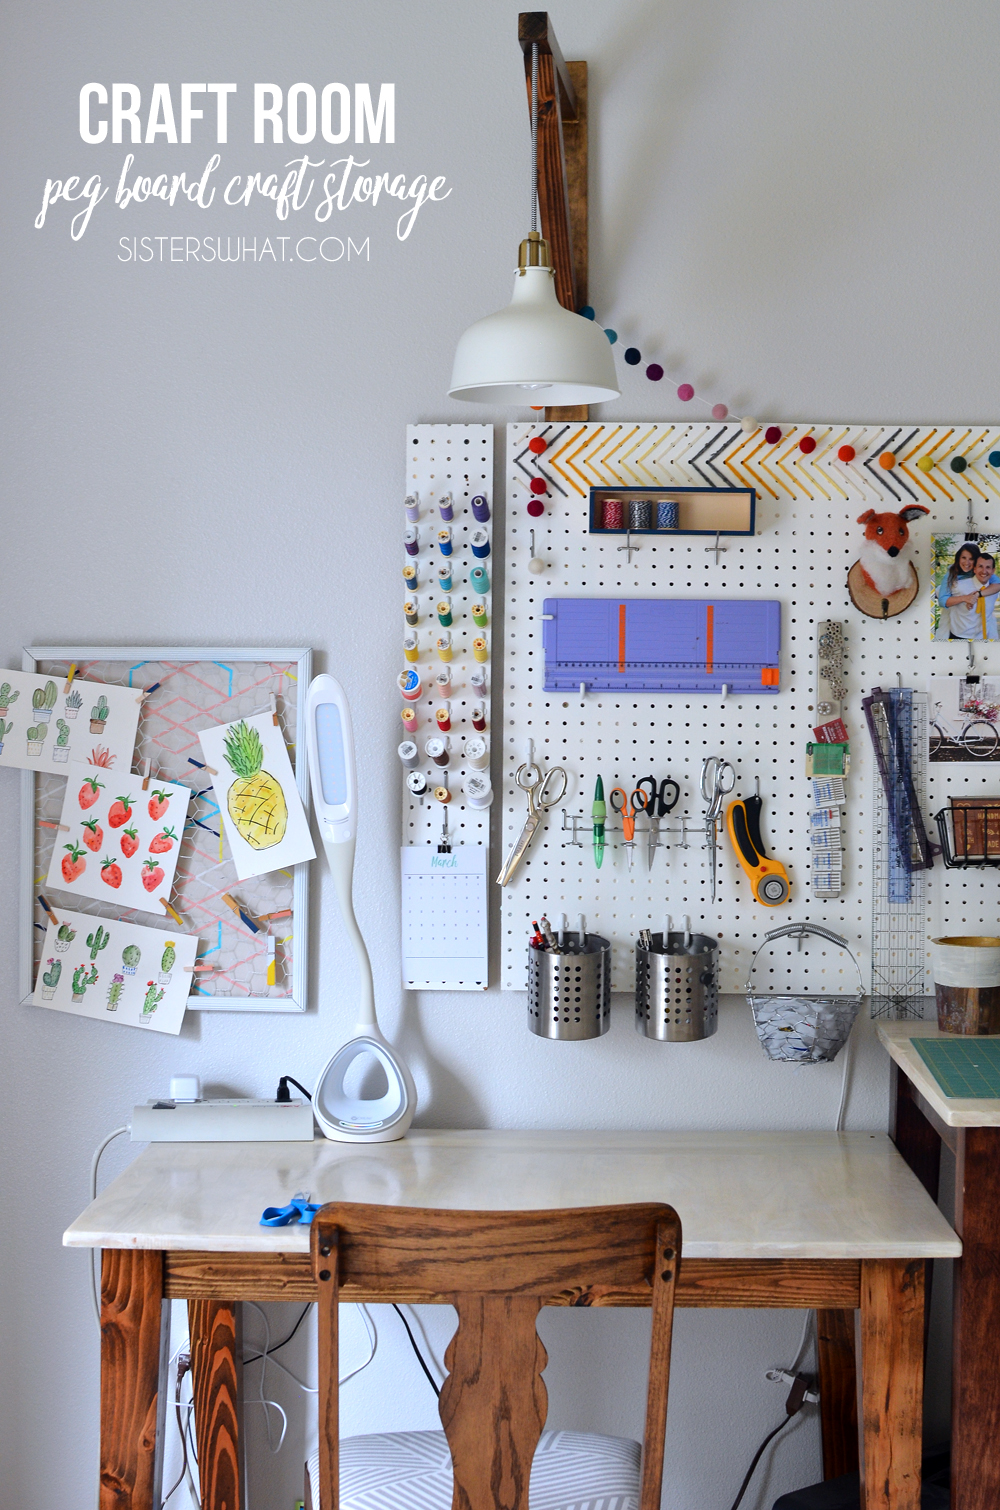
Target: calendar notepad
[445,930]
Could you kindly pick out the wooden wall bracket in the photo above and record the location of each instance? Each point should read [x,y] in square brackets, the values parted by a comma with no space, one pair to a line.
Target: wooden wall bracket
[562,166]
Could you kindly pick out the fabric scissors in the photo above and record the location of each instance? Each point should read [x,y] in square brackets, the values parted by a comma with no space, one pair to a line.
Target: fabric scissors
[300,1210]
[628,807]
[717,780]
[543,792]
[656,805]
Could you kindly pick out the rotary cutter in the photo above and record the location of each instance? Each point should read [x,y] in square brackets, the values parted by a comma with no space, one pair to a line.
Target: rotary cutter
[768,878]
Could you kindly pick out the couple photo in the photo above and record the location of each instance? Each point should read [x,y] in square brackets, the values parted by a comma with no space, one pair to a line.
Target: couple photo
[966,587]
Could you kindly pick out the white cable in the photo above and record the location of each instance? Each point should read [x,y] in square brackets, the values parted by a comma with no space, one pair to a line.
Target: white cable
[95,1252]
[845,1077]
[264,1360]
[372,1338]
[803,1342]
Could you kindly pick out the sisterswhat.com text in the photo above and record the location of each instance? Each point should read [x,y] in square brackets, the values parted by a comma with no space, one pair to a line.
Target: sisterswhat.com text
[311,185]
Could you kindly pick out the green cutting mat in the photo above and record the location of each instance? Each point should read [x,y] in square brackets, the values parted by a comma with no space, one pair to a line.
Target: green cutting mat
[963,1066]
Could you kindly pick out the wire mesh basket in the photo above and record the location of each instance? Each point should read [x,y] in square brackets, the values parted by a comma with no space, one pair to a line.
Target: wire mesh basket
[677,987]
[569,993]
[803,1029]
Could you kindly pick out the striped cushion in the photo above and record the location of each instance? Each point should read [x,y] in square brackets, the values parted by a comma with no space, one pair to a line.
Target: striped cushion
[411,1470]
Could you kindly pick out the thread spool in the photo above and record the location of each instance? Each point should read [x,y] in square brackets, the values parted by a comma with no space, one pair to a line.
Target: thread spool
[411,612]
[442,794]
[411,647]
[478,791]
[640,514]
[444,576]
[411,576]
[444,541]
[478,679]
[408,752]
[442,681]
[479,615]
[598,514]
[446,508]
[667,514]
[480,650]
[479,717]
[410,719]
[476,752]
[436,751]
[444,612]
[480,508]
[443,646]
[479,580]
[614,514]
[443,717]
[480,543]
[411,540]
[409,684]
[416,783]
[412,506]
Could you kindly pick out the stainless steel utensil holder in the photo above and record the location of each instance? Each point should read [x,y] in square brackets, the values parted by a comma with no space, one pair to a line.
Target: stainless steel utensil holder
[677,988]
[569,994]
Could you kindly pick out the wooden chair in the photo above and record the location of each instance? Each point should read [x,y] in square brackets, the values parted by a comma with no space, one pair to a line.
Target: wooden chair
[497,1269]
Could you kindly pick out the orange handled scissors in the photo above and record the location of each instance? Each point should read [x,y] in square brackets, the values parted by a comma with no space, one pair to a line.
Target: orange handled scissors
[628,809]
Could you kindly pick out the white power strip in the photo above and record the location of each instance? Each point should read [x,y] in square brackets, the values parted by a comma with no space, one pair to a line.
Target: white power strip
[225,1120]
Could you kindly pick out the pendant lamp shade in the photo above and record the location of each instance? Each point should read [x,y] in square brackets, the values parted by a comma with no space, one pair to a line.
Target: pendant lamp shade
[534,352]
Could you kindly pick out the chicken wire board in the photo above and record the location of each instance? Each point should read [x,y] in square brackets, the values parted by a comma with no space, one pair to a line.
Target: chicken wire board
[806,539]
[447,462]
[194,689]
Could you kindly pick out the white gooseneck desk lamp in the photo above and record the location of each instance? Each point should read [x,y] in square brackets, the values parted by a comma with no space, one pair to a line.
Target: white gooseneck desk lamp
[333,777]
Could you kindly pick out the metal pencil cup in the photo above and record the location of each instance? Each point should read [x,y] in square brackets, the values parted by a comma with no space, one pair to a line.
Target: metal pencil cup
[569,995]
[677,988]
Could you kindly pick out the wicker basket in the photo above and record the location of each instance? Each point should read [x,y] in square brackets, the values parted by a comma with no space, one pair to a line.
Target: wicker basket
[803,1029]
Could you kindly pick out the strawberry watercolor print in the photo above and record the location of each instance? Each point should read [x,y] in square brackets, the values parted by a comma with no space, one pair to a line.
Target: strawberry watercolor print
[120,841]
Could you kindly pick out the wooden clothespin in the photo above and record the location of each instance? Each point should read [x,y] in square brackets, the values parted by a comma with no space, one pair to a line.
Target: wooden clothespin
[274,710]
[202,767]
[243,916]
[69,677]
[175,915]
[272,917]
[190,969]
[43,904]
[146,766]
[272,975]
[62,828]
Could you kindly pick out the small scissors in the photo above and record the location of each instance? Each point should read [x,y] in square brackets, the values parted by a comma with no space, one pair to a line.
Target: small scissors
[628,807]
[656,806]
[543,792]
[299,1210]
[717,780]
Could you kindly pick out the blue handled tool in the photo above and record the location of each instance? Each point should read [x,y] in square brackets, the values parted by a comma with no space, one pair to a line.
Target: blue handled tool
[299,1211]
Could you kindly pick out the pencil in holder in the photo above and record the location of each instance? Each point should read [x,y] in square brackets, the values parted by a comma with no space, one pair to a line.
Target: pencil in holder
[569,993]
[677,988]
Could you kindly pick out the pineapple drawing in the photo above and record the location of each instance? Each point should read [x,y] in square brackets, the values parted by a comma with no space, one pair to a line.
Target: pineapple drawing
[256,801]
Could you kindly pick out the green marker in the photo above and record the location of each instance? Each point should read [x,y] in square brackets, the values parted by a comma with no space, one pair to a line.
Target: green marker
[599,813]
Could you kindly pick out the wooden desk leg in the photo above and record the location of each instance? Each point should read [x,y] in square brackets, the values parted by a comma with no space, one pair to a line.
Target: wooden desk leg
[135,1339]
[975,1455]
[216,1351]
[890,1403]
[838,1392]
[920,1146]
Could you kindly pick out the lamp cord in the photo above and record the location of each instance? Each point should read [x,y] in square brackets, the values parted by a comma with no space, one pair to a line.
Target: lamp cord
[534,136]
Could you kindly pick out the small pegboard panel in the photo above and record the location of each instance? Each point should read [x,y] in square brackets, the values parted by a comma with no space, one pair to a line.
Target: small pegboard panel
[189,692]
[446,632]
[809,495]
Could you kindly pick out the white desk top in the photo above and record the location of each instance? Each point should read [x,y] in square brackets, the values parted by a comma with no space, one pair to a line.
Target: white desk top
[957,1111]
[739,1195]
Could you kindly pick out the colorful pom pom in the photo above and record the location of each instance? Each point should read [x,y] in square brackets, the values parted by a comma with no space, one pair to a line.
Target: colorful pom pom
[887,460]
[994,458]
[748,425]
[685,392]
[719,411]
[654,372]
[926,464]
[537,445]
[846,453]
[587,312]
[772,435]
[536,507]
[958,463]
[633,356]
[612,336]
[807,445]
[538,485]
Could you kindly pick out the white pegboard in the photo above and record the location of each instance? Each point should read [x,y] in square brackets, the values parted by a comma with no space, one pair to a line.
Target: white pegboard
[806,540]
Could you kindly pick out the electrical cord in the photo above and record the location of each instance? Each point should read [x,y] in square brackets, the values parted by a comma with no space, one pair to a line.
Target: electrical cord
[183,1364]
[95,1253]
[794,1403]
[845,1078]
[420,1357]
[304,1313]
[283,1091]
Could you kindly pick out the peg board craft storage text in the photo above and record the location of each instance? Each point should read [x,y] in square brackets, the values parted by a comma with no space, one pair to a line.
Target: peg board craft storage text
[806,539]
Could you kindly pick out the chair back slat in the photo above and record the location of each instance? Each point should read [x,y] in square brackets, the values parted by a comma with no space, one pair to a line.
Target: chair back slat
[498,1268]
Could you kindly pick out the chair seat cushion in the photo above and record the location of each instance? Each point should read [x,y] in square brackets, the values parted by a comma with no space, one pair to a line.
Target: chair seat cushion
[411,1470]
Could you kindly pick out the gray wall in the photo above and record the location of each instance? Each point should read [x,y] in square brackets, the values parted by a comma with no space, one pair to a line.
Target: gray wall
[792,203]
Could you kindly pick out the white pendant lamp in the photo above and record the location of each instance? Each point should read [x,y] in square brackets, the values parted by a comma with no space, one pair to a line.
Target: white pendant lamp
[534,351]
